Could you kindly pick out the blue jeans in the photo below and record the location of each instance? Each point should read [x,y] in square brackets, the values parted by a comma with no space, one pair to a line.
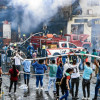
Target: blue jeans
[52,79]
[27,76]
[65,96]
[81,66]
[97,87]
[39,78]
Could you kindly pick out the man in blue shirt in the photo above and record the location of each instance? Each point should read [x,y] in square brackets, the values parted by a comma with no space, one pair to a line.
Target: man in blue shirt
[27,65]
[87,75]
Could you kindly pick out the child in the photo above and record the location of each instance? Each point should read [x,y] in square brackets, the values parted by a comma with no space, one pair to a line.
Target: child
[86,80]
[65,83]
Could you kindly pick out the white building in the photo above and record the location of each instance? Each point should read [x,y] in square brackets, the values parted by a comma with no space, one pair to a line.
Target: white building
[6,30]
[88,22]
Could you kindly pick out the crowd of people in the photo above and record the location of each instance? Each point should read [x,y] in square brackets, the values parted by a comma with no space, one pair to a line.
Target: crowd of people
[64,73]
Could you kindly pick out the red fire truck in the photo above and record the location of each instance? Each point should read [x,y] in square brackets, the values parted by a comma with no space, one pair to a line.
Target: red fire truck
[58,44]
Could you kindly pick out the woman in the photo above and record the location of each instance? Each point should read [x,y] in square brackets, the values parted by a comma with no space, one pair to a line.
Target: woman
[40,67]
[14,73]
[65,83]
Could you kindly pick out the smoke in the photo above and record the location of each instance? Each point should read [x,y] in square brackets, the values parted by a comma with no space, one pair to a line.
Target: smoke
[30,13]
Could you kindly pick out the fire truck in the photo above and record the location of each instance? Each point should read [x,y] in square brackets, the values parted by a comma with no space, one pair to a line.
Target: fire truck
[57,44]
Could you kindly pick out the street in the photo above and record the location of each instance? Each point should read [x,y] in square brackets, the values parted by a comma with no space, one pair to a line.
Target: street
[33,94]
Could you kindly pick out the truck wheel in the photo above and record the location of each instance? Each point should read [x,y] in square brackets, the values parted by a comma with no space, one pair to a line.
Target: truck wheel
[55,54]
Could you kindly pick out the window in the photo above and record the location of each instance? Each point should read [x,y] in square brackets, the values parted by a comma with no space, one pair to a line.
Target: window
[77,28]
[93,3]
[64,45]
[72,45]
[80,20]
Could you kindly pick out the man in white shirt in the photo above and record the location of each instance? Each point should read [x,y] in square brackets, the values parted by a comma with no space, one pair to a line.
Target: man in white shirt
[75,79]
[18,59]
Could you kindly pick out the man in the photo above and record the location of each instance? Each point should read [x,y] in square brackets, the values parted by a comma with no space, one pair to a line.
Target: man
[82,59]
[98,81]
[87,75]
[30,50]
[27,65]
[9,54]
[75,79]
[52,75]
[18,59]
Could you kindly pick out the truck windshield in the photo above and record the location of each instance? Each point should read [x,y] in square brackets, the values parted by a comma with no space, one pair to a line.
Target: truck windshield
[64,45]
[72,45]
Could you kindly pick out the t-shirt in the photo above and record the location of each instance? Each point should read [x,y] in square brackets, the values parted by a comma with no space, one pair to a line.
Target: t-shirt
[94,53]
[53,70]
[87,72]
[68,76]
[75,73]
[66,66]
[17,60]
[39,68]
[9,53]
[27,65]
[12,78]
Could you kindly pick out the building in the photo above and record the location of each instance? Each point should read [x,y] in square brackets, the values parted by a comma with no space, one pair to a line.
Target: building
[86,20]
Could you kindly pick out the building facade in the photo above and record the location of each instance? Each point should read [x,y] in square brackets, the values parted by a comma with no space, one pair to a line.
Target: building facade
[86,20]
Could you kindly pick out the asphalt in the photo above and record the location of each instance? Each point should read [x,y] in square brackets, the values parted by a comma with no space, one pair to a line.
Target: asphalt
[33,94]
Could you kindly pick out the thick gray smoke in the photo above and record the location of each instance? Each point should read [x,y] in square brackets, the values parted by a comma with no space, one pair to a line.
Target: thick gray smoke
[30,13]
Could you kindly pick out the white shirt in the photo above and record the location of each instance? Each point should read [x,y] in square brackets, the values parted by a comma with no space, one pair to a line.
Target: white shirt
[66,66]
[75,73]
[17,60]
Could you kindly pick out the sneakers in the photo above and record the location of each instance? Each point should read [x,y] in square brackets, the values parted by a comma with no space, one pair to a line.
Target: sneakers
[77,97]
[41,88]
[88,98]
[84,98]
[10,93]
[37,88]
[14,93]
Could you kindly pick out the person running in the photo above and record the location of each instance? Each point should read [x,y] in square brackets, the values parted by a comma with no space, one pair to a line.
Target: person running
[52,75]
[40,67]
[14,73]
[75,79]
[59,76]
[27,65]
[97,87]
[87,75]
[65,83]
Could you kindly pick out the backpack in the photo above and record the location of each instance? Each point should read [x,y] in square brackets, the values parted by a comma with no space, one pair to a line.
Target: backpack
[63,82]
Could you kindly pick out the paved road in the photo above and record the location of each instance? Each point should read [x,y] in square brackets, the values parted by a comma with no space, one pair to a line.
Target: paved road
[32,94]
